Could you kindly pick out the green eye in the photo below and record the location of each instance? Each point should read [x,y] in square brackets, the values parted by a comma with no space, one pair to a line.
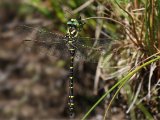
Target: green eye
[69,23]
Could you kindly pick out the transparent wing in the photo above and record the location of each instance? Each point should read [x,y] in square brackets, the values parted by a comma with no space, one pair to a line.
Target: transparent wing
[43,41]
[91,49]
[39,34]
[49,48]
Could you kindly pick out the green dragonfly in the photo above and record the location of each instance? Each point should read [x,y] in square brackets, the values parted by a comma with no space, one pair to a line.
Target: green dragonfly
[70,45]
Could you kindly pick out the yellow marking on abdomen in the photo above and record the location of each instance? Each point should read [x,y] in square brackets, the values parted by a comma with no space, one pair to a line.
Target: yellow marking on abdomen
[71,49]
[71,96]
[71,67]
[71,104]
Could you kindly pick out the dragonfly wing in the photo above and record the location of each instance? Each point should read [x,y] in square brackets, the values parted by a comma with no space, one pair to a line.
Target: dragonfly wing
[96,42]
[91,49]
[43,41]
[39,34]
[50,49]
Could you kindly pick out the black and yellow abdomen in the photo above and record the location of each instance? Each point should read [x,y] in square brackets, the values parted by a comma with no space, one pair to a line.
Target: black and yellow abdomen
[71,77]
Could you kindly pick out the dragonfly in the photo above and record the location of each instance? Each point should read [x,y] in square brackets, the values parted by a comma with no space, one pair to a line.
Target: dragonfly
[70,45]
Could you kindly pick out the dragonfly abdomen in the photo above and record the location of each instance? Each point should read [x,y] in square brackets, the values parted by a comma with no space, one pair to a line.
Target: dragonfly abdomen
[71,77]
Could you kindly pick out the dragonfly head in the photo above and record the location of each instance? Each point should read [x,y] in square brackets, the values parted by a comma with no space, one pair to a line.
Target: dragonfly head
[74,26]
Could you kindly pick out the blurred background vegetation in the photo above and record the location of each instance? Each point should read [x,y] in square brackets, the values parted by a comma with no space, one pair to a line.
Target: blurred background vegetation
[35,86]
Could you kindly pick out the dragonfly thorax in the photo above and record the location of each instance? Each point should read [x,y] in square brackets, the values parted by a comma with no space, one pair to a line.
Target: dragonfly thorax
[72,32]
[73,27]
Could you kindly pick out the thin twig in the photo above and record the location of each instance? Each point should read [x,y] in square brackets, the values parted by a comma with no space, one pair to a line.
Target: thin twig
[153,67]
[128,28]
[152,91]
[98,73]
[145,60]
[135,97]
[134,28]
[83,6]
